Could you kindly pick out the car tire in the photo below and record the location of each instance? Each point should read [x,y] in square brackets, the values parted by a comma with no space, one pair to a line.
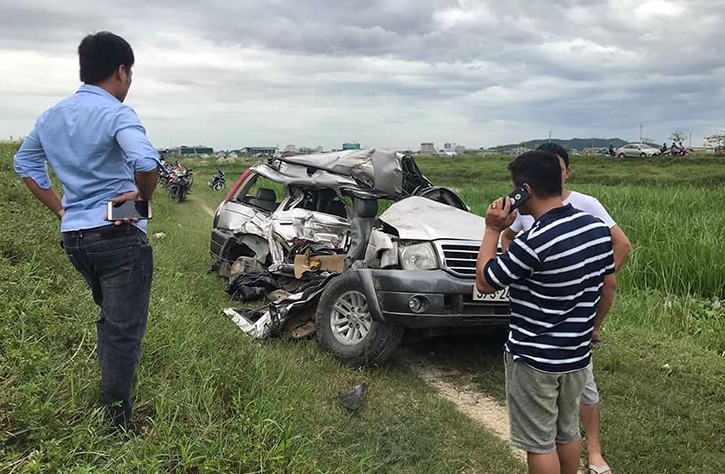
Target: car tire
[643,155]
[621,155]
[342,304]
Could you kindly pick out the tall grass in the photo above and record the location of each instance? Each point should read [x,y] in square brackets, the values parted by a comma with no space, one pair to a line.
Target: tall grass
[669,208]
[209,398]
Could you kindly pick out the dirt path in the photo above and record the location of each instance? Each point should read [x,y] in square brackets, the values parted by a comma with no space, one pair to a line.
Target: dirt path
[457,388]
[452,385]
[207,209]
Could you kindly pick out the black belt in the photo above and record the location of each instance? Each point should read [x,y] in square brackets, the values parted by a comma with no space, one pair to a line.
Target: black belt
[111,229]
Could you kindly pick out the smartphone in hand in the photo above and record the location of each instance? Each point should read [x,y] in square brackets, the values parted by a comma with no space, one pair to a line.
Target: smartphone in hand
[128,210]
[517,197]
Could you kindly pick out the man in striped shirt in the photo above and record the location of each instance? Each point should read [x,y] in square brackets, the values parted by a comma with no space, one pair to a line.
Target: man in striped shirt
[589,406]
[561,278]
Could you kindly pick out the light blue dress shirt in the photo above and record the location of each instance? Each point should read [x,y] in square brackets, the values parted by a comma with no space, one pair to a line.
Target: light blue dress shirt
[94,143]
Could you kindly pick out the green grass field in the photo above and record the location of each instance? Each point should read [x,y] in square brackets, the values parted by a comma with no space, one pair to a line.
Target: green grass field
[212,400]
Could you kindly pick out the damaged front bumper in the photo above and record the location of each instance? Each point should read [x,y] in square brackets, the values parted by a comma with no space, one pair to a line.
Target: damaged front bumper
[428,299]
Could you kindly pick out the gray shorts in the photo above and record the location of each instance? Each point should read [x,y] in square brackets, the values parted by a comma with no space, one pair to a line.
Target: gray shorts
[590,395]
[543,408]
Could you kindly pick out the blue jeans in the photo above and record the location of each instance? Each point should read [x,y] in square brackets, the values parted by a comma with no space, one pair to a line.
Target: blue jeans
[117,263]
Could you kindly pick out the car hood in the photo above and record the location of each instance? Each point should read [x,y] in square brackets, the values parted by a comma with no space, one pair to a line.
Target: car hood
[418,218]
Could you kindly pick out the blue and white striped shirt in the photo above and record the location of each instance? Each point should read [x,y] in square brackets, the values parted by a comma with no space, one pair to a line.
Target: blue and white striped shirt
[555,272]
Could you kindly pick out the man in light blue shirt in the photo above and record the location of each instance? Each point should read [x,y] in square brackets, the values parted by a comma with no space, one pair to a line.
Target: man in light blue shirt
[98,149]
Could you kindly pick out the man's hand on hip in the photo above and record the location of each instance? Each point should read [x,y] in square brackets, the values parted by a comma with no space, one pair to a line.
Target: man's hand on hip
[130,196]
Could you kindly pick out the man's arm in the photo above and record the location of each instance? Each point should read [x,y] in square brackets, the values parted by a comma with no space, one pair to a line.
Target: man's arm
[502,271]
[30,164]
[620,245]
[605,303]
[143,157]
[48,197]
[146,182]
[620,242]
[507,237]
[486,252]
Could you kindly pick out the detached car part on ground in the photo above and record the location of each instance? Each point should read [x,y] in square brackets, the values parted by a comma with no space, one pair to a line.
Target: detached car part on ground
[409,270]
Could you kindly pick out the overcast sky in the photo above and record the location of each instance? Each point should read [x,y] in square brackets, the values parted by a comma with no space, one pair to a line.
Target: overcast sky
[386,73]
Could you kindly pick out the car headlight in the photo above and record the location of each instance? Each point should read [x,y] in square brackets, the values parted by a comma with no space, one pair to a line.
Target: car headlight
[418,257]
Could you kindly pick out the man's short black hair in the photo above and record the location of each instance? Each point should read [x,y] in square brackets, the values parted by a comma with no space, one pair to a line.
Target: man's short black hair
[541,170]
[100,55]
[556,149]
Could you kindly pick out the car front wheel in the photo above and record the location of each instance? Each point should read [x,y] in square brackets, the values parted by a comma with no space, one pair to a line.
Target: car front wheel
[621,155]
[346,329]
[643,155]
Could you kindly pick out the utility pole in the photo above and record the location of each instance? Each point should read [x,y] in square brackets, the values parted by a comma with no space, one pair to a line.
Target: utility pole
[690,145]
[640,133]
[549,136]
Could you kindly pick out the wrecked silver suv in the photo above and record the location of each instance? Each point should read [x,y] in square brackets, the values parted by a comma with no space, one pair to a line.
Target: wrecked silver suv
[306,231]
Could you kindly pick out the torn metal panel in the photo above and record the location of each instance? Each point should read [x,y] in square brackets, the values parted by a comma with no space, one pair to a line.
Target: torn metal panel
[382,250]
[417,218]
[270,320]
[257,224]
[262,328]
[256,245]
[363,173]
[310,225]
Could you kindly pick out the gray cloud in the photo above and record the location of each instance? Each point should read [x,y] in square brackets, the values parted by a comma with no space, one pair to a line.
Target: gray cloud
[388,73]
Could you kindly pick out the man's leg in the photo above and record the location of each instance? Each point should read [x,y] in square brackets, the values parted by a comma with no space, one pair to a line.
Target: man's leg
[569,454]
[590,418]
[589,413]
[124,266]
[532,406]
[547,463]
[568,437]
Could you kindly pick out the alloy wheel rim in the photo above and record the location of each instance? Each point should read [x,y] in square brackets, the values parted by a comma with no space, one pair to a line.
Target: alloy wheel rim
[350,320]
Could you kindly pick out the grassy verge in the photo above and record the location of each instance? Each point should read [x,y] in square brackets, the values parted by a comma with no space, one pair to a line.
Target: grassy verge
[661,369]
[211,400]
[661,395]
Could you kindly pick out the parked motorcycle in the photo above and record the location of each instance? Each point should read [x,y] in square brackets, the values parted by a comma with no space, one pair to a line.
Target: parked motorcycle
[180,185]
[217,182]
[165,172]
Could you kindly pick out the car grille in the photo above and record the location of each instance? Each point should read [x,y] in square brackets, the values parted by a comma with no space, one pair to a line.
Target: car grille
[459,257]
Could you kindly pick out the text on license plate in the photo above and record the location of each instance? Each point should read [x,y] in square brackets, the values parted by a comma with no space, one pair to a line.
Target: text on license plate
[500,295]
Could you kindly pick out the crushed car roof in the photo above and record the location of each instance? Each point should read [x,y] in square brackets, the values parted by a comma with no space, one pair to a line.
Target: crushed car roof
[364,173]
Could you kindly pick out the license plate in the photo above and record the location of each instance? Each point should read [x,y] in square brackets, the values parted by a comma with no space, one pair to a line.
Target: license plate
[500,295]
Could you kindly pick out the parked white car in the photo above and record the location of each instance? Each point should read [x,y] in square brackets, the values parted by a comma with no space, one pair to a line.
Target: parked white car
[638,149]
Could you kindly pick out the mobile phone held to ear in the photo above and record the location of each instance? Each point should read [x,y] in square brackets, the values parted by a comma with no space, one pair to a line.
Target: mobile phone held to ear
[128,210]
[517,197]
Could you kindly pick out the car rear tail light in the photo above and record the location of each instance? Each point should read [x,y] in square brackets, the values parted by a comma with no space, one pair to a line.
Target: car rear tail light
[237,183]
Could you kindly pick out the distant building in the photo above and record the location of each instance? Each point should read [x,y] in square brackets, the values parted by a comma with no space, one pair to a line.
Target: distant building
[291,148]
[318,149]
[428,148]
[350,146]
[193,150]
[459,149]
[304,150]
[256,150]
[449,146]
